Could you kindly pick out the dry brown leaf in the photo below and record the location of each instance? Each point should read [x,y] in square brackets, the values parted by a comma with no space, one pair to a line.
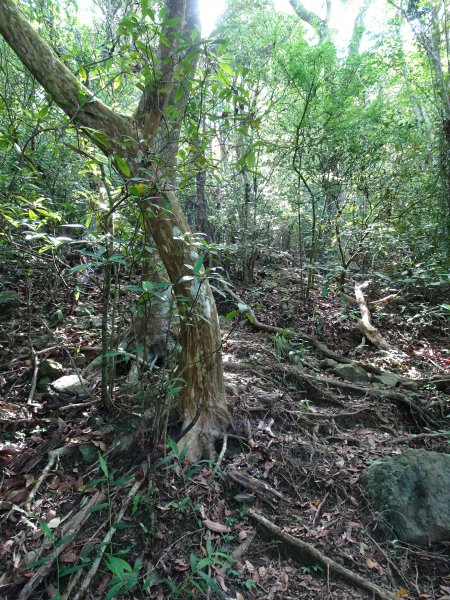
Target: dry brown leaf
[69,557]
[214,526]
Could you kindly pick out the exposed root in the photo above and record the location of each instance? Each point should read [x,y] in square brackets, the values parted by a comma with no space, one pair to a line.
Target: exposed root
[365,323]
[313,553]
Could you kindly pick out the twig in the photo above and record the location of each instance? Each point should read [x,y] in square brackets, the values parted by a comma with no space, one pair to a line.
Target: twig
[79,405]
[319,508]
[419,436]
[108,537]
[315,554]
[35,374]
[52,456]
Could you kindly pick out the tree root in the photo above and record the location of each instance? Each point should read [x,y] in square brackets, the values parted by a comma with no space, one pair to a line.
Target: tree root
[332,382]
[301,335]
[365,323]
[312,552]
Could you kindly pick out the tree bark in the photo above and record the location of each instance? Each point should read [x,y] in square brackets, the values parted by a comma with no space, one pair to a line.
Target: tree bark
[132,139]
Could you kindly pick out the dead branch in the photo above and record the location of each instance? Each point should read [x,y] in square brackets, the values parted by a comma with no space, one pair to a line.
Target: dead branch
[365,323]
[108,537]
[72,527]
[52,456]
[420,436]
[299,374]
[315,554]
[34,379]
[265,492]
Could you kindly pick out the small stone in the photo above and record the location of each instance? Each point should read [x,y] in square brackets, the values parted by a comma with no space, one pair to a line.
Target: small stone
[245,498]
[51,368]
[353,373]
[69,385]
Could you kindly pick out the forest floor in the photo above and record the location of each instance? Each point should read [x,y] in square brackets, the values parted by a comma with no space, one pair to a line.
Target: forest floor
[78,482]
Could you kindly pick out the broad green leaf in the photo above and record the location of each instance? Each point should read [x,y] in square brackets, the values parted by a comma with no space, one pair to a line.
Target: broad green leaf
[123,166]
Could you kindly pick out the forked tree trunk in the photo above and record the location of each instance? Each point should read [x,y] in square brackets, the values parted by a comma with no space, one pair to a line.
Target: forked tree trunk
[129,141]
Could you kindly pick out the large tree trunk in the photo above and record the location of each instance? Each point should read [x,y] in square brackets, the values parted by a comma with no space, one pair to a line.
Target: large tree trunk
[130,140]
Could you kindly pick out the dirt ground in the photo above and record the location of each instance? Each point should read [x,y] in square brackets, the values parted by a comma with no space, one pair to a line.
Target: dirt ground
[78,481]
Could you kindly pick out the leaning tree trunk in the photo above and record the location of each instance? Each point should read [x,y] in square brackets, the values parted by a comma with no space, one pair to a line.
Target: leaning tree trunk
[129,141]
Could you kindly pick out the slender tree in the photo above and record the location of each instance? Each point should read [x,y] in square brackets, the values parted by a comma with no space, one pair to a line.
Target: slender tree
[133,144]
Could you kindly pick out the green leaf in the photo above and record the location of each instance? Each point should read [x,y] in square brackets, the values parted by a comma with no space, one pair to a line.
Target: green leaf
[193,560]
[198,264]
[178,93]
[47,531]
[174,391]
[230,316]
[210,582]
[226,67]
[69,570]
[43,112]
[113,591]
[122,164]
[103,465]
[223,78]
[118,565]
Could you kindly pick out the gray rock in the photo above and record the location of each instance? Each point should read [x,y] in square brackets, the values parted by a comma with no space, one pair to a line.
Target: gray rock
[388,379]
[9,300]
[353,373]
[69,385]
[411,493]
[51,369]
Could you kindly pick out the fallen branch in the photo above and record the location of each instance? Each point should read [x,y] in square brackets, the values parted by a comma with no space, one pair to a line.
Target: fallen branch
[365,323]
[52,456]
[261,489]
[69,532]
[35,375]
[420,436]
[316,555]
[108,537]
